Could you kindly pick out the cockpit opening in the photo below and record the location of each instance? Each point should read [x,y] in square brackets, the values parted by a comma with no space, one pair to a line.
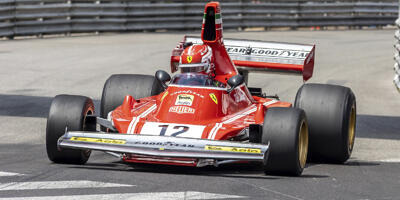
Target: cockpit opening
[196,79]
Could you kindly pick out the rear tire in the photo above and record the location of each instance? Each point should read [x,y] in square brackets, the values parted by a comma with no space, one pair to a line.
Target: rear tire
[120,85]
[67,111]
[331,113]
[287,131]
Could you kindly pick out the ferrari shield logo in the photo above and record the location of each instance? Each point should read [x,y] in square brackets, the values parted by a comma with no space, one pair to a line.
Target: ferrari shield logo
[214,98]
[189,59]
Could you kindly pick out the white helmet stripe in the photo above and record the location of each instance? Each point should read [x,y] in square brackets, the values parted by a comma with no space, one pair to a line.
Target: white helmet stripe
[207,56]
[190,50]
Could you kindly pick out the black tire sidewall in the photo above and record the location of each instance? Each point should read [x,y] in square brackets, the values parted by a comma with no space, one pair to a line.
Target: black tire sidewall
[281,128]
[329,139]
[66,111]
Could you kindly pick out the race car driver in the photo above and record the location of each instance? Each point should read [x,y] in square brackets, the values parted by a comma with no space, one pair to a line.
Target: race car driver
[195,62]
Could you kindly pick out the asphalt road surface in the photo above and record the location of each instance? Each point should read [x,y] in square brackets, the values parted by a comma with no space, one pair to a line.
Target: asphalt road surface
[33,71]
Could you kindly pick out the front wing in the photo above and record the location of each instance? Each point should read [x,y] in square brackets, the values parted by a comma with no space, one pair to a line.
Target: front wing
[164,146]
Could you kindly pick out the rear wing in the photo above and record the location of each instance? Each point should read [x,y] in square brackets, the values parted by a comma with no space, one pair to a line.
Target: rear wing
[251,55]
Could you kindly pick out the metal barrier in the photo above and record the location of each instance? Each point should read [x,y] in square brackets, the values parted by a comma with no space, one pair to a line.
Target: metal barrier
[37,17]
[396,78]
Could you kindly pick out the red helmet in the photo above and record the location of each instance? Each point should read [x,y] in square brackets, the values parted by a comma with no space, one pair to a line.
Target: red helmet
[197,58]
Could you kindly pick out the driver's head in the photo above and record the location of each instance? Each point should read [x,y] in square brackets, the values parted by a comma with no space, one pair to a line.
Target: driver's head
[197,58]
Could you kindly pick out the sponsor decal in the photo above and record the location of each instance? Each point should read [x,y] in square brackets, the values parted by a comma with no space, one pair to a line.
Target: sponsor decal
[232,149]
[98,140]
[214,98]
[267,52]
[188,92]
[184,99]
[164,95]
[164,144]
[189,59]
[182,110]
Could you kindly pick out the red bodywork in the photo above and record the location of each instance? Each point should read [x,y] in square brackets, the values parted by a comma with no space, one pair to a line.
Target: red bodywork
[197,112]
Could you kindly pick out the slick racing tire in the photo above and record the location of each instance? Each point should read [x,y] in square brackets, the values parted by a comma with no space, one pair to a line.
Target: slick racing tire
[67,111]
[331,113]
[286,130]
[119,85]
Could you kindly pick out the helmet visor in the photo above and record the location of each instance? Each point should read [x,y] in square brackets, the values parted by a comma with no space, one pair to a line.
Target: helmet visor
[197,67]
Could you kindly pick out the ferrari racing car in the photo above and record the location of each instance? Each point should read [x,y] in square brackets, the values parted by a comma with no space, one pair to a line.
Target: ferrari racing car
[206,114]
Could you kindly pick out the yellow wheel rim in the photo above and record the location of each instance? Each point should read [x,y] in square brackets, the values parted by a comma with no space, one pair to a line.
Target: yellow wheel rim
[352,128]
[303,144]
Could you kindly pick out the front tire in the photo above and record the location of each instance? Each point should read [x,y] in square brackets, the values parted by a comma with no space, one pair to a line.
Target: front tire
[331,113]
[287,131]
[67,111]
[120,85]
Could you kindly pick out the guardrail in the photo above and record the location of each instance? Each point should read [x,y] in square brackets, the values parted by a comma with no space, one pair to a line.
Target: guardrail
[37,17]
[396,79]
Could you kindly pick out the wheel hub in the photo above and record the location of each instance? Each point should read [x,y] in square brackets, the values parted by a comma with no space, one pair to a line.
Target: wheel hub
[303,144]
[352,129]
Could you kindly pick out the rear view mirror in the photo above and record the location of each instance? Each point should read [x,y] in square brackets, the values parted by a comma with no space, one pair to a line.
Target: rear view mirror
[235,81]
[163,77]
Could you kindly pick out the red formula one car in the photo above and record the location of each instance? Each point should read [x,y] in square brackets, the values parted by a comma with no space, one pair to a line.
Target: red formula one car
[206,114]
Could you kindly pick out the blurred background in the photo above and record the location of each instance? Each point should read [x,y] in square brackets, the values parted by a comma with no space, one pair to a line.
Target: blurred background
[42,17]
[45,18]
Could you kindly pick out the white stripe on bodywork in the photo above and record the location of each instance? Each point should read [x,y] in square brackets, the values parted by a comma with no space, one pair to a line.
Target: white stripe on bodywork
[132,125]
[214,130]
[270,102]
[217,126]
[190,50]
[252,109]
[109,118]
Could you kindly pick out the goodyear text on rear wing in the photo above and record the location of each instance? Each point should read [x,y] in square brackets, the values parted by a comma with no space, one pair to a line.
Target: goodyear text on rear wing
[252,55]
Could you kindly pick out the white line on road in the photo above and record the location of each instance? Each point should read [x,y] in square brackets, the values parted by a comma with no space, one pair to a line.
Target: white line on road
[10,174]
[189,195]
[391,160]
[57,185]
